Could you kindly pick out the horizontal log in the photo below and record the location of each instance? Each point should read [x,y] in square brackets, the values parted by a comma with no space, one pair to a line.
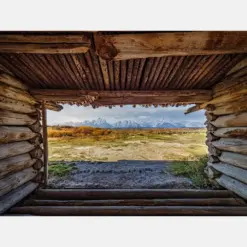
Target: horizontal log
[15,164]
[231,171]
[237,132]
[87,194]
[12,81]
[15,148]
[235,159]
[129,46]
[233,120]
[211,137]
[15,180]
[233,185]
[36,153]
[39,178]
[211,172]
[227,97]
[38,164]
[36,38]
[130,210]
[239,66]
[16,94]
[210,116]
[231,107]
[16,106]
[14,134]
[15,196]
[53,106]
[139,202]
[213,150]
[37,140]
[190,96]
[213,159]
[231,144]
[43,48]
[13,118]
[36,127]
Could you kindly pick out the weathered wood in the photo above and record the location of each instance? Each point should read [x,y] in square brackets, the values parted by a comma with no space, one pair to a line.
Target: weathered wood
[211,137]
[240,65]
[10,199]
[16,94]
[36,153]
[12,81]
[211,172]
[211,127]
[15,105]
[231,171]
[35,38]
[129,210]
[45,144]
[38,164]
[227,97]
[233,185]
[15,180]
[104,69]
[139,202]
[87,194]
[15,148]
[15,164]
[210,116]
[36,127]
[213,159]
[231,144]
[39,178]
[44,48]
[120,95]
[53,106]
[233,120]
[119,47]
[213,150]
[13,118]
[236,132]
[13,134]
[235,159]
[231,107]
[37,140]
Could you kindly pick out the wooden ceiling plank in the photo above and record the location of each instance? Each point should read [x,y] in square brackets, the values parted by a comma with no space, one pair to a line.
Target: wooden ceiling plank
[129,46]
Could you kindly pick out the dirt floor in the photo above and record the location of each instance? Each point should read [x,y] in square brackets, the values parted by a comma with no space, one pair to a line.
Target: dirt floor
[121,174]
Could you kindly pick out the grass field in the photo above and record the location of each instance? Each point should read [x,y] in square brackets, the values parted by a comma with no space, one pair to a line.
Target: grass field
[184,147]
[95,144]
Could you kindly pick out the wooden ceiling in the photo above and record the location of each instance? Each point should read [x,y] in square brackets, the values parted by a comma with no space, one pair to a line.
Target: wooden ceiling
[112,61]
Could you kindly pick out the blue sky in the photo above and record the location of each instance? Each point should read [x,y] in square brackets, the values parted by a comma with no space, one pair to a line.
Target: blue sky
[78,114]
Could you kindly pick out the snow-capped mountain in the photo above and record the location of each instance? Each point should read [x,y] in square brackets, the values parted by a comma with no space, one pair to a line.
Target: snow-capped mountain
[129,124]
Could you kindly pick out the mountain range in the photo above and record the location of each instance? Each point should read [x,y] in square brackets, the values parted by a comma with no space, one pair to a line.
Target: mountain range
[138,124]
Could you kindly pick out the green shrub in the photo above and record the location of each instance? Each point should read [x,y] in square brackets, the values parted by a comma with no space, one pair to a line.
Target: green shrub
[61,170]
[193,169]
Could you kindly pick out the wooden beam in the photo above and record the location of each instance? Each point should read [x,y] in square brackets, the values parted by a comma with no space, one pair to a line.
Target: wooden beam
[52,106]
[130,210]
[234,185]
[16,195]
[87,194]
[129,46]
[51,44]
[45,143]
[12,81]
[123,97]
[139,202]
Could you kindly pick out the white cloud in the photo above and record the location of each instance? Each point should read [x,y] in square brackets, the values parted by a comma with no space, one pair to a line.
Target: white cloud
[76,114]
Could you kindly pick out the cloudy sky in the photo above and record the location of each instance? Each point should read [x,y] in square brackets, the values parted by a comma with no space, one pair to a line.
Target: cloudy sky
[78,114]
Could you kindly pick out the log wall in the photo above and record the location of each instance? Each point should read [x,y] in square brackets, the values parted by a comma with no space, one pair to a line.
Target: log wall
[21,148]
[227,145]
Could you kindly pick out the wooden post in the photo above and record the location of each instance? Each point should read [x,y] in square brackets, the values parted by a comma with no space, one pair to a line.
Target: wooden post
[45,143]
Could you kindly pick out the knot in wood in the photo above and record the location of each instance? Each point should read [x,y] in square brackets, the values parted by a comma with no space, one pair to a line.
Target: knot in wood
[108,51]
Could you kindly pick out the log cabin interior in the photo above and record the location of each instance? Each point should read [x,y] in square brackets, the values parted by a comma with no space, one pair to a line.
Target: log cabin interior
[43,70]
